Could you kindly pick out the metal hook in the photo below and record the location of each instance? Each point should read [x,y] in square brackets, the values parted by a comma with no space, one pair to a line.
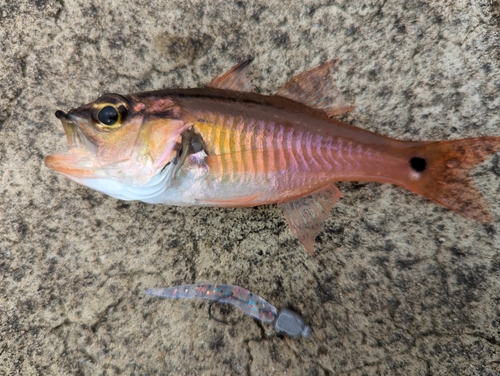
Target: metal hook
[212,316]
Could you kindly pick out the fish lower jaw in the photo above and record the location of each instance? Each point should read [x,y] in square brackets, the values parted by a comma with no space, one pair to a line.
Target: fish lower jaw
[72,163]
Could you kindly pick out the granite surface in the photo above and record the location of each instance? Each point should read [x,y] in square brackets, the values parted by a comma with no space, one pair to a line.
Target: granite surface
[398,285]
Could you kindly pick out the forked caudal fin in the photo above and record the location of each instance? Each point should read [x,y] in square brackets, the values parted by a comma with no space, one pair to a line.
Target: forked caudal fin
[441,173]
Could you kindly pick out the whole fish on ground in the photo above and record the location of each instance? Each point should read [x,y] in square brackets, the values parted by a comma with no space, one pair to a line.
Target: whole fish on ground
[227,146]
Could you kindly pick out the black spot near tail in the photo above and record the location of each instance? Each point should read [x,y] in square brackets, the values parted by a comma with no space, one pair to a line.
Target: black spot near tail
[418,164]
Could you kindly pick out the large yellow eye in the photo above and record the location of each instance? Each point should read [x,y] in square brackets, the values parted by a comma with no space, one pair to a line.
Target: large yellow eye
[108,116]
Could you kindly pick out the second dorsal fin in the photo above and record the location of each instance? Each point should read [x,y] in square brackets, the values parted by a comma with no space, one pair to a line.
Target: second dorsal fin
[316,88]
[234,79]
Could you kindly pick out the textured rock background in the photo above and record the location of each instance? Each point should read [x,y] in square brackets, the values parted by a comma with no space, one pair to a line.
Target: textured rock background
[398,285]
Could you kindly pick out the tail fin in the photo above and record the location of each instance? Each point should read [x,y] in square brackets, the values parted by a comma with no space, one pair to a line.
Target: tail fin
[440,172]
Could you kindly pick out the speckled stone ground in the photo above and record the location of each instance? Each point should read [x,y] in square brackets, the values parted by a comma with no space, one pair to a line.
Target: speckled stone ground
[398,284]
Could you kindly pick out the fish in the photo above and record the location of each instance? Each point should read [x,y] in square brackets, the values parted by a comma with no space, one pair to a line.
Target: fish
[226,145]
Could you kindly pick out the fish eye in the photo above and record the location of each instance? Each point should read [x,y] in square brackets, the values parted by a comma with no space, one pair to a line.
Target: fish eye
[108,116]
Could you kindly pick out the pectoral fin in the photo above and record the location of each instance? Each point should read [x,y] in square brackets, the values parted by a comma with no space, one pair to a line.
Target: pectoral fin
[316,88]
[306,215]
[234,79]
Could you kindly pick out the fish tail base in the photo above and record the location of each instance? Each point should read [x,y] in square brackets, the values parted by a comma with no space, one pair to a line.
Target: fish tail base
[440,171]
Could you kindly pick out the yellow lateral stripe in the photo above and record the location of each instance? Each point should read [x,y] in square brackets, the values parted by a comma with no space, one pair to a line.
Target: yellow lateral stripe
[219,135]
[248,146]
[213,139]
[227,129]
[236,144]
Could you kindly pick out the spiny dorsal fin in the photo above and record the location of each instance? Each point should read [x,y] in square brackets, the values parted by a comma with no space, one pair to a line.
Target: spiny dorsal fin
[306,215]
[316,88]
[234,79]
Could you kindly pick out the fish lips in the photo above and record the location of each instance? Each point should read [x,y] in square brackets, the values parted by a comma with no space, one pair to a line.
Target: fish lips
[79,160]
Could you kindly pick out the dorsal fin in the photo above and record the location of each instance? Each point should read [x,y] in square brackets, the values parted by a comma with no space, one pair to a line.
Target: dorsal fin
[234,79]
[306,215]
[316,88]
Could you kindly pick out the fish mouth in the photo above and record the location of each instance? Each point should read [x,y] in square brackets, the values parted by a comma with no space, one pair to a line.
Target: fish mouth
[79,159]
[70,129]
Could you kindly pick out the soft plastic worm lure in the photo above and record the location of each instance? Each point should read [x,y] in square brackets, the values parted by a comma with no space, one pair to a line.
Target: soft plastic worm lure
[284,320]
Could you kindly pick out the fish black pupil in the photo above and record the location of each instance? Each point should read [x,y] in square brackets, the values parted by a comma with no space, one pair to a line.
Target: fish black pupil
[108,115]
[418,164]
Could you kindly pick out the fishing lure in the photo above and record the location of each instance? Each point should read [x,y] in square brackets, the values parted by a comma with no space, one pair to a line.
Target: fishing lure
[284,320]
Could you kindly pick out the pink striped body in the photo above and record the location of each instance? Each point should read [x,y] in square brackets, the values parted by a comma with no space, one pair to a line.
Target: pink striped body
[257,152]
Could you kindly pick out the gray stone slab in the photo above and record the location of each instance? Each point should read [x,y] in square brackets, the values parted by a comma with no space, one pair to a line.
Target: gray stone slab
[398,285]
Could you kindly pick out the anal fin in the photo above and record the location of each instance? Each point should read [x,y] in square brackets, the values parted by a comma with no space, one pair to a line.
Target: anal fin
[316,88]
[307,214]
[234,79]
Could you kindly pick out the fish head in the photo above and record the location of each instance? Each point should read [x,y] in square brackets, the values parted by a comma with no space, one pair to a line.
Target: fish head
[123,139]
